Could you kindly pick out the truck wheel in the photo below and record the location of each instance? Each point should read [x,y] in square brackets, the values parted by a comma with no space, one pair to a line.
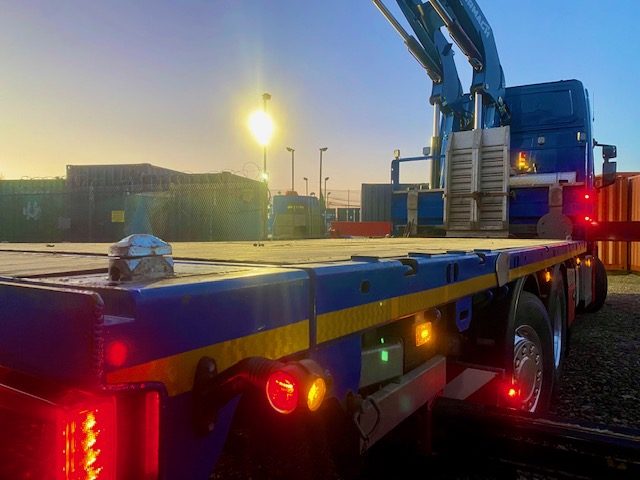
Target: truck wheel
[530,354]
[558,317]
[600,290]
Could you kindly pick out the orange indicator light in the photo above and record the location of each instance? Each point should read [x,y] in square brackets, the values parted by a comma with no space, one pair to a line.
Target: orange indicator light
[547,276]
[316,394]
[423,333]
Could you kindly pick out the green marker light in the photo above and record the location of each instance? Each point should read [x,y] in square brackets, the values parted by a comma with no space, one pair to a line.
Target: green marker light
[384,355]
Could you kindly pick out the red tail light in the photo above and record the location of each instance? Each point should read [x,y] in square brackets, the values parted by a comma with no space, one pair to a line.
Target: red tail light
[73,435]
[86,439]
[296,383]
[283,391]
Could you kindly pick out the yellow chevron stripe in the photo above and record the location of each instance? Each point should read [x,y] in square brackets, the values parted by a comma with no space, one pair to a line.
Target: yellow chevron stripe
[177,371]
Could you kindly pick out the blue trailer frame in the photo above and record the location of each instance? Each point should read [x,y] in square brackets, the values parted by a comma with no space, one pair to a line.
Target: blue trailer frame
[320,309]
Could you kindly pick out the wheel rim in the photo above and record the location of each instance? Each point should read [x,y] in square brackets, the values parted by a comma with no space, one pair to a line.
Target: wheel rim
[557,336]
[527,366]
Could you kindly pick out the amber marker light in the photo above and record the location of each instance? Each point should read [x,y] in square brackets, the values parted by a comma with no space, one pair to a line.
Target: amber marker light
[423,333]
[316,394]
[547,276]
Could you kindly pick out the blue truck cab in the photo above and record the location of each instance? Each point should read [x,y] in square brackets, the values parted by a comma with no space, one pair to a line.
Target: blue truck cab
[551,143]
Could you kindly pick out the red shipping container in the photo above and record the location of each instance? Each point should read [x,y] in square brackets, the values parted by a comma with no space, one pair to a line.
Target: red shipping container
[360,229]
[634,215]
[613,206]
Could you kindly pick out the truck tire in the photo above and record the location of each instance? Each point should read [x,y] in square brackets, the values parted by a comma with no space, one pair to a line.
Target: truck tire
[529,354]
[557,308]
[600,287]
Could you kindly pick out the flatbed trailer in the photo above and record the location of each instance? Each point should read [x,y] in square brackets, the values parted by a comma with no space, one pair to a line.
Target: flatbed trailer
[183,359]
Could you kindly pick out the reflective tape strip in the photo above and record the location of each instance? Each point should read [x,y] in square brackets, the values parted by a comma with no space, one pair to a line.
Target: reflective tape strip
[176,372]
[516,273]
[337,324]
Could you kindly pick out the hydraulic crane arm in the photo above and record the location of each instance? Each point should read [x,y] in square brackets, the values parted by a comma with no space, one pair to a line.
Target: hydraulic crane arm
[431,50]
[472,33]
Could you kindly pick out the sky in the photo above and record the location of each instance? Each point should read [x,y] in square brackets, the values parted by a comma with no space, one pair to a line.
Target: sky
[172,83]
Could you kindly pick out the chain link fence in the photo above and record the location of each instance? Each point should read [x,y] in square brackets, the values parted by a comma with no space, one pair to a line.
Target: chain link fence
[174,207]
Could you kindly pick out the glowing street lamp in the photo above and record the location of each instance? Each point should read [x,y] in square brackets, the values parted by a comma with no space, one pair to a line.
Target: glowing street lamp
[261,126]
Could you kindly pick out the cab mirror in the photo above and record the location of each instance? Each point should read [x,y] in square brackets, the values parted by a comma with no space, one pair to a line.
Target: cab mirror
[608,152]
[608,172]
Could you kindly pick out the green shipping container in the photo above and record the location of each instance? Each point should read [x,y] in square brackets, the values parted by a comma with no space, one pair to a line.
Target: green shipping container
[33,210]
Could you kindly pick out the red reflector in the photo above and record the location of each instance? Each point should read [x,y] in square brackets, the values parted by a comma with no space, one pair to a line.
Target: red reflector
[87,441]
[117,353]
[283,391]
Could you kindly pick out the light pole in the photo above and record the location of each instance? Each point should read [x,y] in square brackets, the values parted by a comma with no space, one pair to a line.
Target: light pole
[325,187]
[265,97]
[323,149]
[292,150]
[306,186]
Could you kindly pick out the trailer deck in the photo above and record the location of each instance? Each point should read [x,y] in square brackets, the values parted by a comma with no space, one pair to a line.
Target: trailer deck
[27,259]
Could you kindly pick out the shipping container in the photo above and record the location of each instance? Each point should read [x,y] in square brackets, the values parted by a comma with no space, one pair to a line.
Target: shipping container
[375,202]
[81,176]
[32,210]
[613,206]
[348,214]
[634,215]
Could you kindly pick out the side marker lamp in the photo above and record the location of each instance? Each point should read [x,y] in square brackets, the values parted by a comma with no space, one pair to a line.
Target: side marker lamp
[296,384]
[424,333]
[547,276]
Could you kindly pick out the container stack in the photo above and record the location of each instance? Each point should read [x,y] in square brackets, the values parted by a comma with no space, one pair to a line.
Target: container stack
[104,203]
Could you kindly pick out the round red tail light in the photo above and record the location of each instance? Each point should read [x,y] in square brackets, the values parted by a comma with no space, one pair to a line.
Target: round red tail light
[283,391]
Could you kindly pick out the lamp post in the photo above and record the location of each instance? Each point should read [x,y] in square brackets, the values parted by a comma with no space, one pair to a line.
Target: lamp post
[292,150]
[306,186]
[325,187]
[265,97]
[323,149]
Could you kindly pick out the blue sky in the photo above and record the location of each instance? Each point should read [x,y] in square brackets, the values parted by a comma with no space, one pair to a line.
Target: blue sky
[172,83]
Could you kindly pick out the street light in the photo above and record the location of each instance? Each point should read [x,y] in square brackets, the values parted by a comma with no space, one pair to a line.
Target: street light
[306,186]
[292,150]
[323,149]
[261,126]
[325,186]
